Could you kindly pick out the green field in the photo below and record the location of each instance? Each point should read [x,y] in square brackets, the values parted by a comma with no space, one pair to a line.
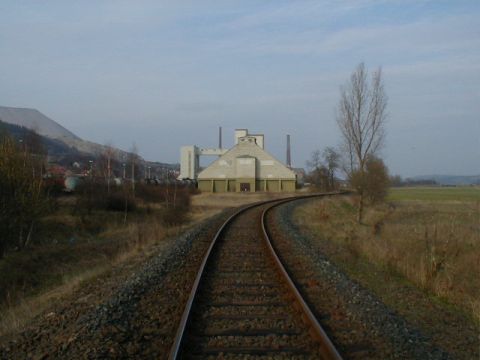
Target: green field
[466,193]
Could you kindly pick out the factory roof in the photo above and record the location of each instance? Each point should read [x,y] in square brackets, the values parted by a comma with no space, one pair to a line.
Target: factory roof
[267,166]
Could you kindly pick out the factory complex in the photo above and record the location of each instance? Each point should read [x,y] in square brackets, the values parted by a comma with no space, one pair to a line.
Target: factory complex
[246,167]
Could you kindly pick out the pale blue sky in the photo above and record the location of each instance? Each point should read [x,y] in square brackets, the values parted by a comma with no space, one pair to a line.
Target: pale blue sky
[165,74]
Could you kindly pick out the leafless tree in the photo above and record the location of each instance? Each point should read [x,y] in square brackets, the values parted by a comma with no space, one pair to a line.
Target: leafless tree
[23,199]
[33,145]
[331,158]
[322,167]
[315,160]
[361,119]
[106,160]
[133,155]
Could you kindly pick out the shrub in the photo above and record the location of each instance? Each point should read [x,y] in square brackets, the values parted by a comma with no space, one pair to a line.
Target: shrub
[93,195]
[174,216]
[374,182]
[150,193]
[120,202]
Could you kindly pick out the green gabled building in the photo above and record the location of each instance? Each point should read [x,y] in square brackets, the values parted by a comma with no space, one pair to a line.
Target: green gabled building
[247,167]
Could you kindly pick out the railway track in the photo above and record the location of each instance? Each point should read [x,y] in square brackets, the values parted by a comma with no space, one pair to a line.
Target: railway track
[244,304]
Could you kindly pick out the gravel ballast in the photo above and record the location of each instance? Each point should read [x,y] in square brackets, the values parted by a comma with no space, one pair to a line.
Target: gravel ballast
[404,341]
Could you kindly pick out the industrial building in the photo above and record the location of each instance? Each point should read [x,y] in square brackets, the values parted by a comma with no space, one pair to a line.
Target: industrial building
[243,168]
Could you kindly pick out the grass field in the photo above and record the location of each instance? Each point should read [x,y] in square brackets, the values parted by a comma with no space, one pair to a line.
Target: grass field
[428,236]
[470,193]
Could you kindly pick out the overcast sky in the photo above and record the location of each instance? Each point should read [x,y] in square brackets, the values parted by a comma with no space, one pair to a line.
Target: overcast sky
[165,74]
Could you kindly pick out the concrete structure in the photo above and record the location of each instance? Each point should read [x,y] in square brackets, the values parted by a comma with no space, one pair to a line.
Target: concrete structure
[245,167]
[190,155]
[190,160]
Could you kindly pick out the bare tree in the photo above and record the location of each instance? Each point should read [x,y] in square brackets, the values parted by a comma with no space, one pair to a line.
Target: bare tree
[322,167]
[317,174]
[332,159]
[133,155]
[23,199]
[106,159]
[33,145]
[315,160]
[361,119]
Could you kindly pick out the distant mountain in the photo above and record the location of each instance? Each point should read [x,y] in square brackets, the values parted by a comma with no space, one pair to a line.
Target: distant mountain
[62,145]
[58,152]
[34,120]
[451,179]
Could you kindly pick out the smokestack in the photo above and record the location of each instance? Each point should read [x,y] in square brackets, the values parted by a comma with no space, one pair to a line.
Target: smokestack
[219,137]
[289,158]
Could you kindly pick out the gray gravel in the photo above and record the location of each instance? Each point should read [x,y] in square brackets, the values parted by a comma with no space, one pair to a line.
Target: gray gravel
[122,307]
[112,329]
[366,306]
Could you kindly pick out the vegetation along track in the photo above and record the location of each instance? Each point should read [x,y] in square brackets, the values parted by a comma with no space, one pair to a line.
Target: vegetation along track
[243,301]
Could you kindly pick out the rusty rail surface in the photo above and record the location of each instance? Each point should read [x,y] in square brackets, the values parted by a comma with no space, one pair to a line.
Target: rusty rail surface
[327,349]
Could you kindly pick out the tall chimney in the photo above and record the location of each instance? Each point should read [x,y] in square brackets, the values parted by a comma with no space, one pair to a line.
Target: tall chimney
[219,137]
[289,158]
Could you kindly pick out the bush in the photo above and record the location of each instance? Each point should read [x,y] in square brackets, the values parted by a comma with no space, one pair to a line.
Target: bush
[374,182]
[177,204]
[150,193]
[378,180]
[174,216]
[93,195]
[119,202]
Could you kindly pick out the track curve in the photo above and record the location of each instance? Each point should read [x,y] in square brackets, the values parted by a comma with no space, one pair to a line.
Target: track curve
[243,301]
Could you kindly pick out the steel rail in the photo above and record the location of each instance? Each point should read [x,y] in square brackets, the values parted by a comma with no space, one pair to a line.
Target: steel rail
[328,348]
[175,349]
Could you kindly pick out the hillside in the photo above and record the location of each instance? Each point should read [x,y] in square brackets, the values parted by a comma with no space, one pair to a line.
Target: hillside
[63,146]
[34,120]
[59,152]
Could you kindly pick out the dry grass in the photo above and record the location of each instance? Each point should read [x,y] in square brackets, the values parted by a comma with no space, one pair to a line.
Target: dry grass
[114,246]
[14,318]
[434,244]
[55,269]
